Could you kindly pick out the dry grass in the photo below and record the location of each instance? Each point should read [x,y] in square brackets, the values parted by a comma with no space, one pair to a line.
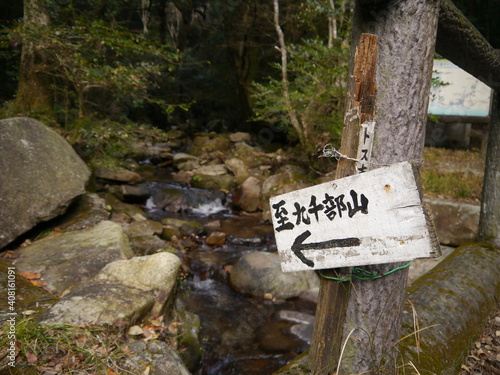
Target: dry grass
[452,174]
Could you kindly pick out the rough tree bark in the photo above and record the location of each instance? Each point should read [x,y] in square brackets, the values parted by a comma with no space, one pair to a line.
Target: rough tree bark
[407,32]
[33,88]
[489,221]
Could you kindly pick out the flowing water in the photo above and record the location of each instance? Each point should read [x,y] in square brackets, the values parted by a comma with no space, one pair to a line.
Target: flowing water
[240,334]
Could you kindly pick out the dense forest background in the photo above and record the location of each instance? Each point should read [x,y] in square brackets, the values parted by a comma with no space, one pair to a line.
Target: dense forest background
[195,64]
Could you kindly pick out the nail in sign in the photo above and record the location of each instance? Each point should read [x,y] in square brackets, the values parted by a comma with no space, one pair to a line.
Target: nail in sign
[371,218]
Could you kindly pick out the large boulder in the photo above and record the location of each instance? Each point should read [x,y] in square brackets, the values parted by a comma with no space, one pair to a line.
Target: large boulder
[41,176]
[67,260]
[100,304]
[259,274]
[456,222]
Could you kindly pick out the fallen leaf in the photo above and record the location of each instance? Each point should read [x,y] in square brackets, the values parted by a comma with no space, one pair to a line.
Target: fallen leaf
[146,371]
[135,330]
[30,275]
[111,372]
[31,358]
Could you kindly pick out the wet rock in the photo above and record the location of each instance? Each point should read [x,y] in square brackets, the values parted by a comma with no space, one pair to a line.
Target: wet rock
[185,162]
[170,199]
[100,304]
[41,176]
[147,245]
[186,228]
[252,157]
[157,272]
[247,197]
[116,174]
[209,142]
[238,168]
[72,258]
[147,172]
[240,137]
[120,207]
[456,223]
[259,274]
[144,228]
[295,316]
[276,337]
[170,232]
[130,193]
[216,238]
[189,336]
[155,358]
[87,211]
[213,182]
[303,324]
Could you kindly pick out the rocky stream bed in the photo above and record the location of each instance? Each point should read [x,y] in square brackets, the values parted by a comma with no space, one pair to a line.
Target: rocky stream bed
[181,238]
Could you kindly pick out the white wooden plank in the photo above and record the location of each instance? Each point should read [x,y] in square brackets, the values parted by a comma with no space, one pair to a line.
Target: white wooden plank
[371,218]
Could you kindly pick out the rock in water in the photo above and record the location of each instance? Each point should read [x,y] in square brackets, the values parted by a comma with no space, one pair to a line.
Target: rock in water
[41,175]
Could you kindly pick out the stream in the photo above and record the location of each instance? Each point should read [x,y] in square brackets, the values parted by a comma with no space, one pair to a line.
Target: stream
[240,334]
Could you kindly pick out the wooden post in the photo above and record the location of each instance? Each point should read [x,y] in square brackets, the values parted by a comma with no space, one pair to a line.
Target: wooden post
[407,32]
[333,297]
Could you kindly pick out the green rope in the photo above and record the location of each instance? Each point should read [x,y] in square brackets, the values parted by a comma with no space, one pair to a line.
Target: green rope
[362,274]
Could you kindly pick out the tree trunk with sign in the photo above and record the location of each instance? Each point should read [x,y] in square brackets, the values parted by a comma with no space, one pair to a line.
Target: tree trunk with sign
[406,31]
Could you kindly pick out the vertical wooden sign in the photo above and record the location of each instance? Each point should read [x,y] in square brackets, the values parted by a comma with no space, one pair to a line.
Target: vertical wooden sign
[333,296]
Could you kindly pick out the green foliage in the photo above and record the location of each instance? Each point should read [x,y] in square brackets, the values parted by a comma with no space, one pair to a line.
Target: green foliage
[107,142]
[318,76]
[93,64]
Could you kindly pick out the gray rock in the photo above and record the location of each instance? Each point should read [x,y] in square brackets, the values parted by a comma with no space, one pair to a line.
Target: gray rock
[170,199]
[240,137]
[456,223]
[210,182]
[259,274]
[212,170]
[116,174]
[238,168]
[147,245]
[88,210]
[41,176]
[130,193]
[288,180]
[118,207]
[72,258]
[247,197]
[185,162]
[155,358]
[100,304]
[209,142]
[157,272]
[144,228]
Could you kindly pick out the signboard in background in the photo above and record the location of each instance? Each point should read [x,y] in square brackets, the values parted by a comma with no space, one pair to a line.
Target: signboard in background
[370,218]
[463,95]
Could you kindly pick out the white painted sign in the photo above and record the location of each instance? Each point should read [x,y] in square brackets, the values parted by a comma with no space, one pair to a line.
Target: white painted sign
[463,95]
[370,218]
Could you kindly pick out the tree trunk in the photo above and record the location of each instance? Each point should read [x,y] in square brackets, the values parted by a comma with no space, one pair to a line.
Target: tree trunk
[489,221]
[407,31]
[33,91]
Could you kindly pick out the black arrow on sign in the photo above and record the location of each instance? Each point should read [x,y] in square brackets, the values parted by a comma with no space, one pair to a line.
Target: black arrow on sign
[299,245]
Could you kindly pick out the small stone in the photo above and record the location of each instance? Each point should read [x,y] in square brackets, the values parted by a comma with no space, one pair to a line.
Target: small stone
[216,238]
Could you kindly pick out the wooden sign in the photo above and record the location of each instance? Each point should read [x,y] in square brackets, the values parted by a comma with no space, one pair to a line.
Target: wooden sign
[371,218]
